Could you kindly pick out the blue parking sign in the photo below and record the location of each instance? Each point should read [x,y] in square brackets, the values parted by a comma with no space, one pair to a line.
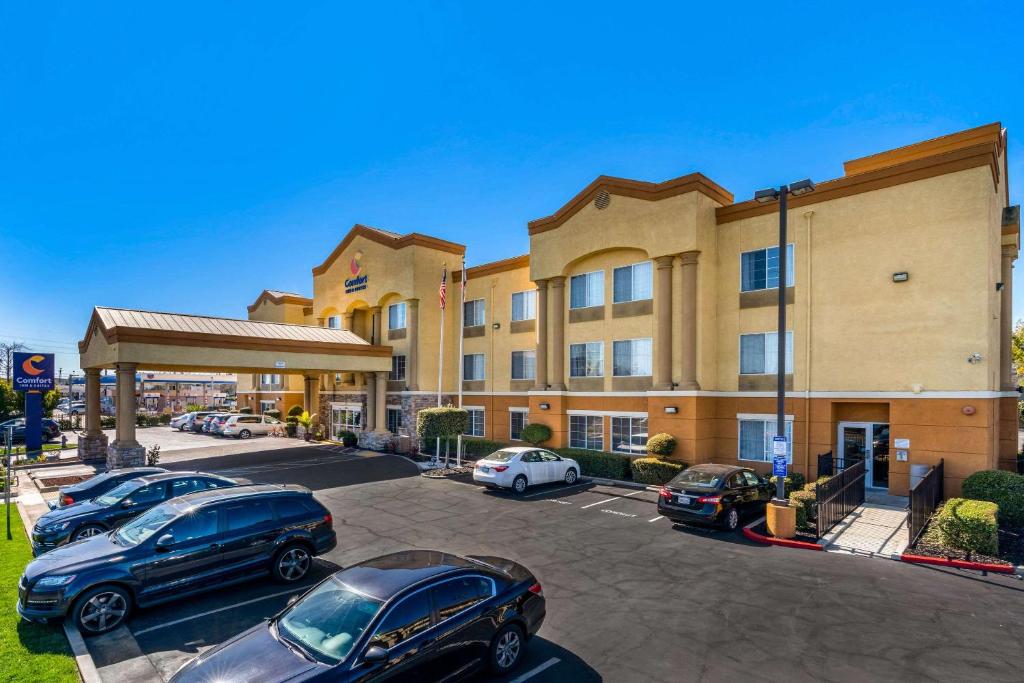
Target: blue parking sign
[779,466]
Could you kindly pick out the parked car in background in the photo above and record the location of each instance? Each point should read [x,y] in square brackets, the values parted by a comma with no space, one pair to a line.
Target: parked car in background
[179,422]
[50,430]
[714,494]
[517,468]
[125,501]
[418,615]
[193,543]
[197,420]
[207,420]
[100,484]
[245,426]
[76,409]
[217,423]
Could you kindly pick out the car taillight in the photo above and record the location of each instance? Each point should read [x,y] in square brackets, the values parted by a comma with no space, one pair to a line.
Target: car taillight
[665,493]
[500,468]
[66,500]
[711,500]
[328,519]
[536,589]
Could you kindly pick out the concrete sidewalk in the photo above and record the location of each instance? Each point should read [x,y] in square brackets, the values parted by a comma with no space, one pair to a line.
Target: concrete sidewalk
[874,528]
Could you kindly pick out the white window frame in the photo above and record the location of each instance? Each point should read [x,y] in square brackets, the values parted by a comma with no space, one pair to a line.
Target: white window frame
[467,322]
[405,368]
[530,305]
[586,352]
[483,367]
[334,322]
[770,353]
[586,276]
[400,313]
[587,443]
[532,353]
[525,412]
[631,418]
[632,282]
[346,425]
[790,266]
[769,421]
[476,413]
[387,420]
[650,359]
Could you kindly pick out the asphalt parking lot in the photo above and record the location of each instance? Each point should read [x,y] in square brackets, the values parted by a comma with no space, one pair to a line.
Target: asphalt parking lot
[630,597]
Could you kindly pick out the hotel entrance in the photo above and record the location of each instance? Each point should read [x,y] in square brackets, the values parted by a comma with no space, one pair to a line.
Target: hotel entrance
[867,441]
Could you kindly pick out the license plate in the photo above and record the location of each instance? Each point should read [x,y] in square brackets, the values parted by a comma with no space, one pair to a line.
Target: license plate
[684,500]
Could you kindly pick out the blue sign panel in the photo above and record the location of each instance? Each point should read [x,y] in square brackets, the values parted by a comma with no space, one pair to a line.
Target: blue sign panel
[33,371]
[779,466]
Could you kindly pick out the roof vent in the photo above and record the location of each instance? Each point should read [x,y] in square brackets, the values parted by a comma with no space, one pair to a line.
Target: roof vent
[602,200]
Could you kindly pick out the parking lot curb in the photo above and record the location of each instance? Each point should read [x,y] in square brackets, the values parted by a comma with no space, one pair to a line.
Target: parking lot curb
[959,564]
[86,667]
[618,482]
[752,535]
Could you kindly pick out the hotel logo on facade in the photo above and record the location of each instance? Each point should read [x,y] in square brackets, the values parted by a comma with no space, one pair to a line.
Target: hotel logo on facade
[358,280]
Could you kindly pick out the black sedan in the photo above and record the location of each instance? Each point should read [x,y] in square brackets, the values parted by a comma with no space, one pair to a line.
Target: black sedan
[100,484]
[115,507]
[713,494]
[415,615]
[50,429]
[195,543]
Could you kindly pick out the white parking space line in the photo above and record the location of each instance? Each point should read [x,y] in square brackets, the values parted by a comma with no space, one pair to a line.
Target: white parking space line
[541,493]
[536,670]
[209,612]
[613,498]
[655,519]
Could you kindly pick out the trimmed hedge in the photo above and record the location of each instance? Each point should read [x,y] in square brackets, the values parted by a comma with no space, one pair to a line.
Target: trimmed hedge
[535,433]
[662,445]
[477,448]
[794,482]
[295,411]
[243,411]
[599,464]
[654,470]
[276,414]
[442,422]
[347,438]
[806,508]
[969,525]
[1005,489]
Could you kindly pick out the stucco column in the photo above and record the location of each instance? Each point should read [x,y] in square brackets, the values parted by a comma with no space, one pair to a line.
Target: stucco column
[371,402]
[557,313]
[375,325]
[92,402]
[381,395]
[412,363]
[1007,380]
[311,393]
[126,406]
[346,320]
[688,311]
[663,322]
[542,336]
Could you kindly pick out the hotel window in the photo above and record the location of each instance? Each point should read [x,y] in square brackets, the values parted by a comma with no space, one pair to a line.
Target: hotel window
[759,353]
[397,373]
[473,312]
[586,431]
[396,316]
[755,438]
[632,283]
[629,435]
[394,420]
[334,322]
[631,358]
[516,422]
[472,367]
[267,405]
[586,360]
[524,365]
[760,269]
[586,290]
[475,424]
[524,305]
[270,382]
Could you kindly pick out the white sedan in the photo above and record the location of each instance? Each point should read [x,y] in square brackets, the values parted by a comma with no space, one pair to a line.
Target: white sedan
[517,468]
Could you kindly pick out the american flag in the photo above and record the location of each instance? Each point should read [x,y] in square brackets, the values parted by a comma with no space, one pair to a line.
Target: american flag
[443,290]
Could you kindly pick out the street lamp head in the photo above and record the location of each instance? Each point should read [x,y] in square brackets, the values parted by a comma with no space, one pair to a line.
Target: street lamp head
[765,196]
[800,187]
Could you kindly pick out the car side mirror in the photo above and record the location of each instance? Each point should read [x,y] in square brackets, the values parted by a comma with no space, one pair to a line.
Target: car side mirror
[165,542]
[375,653]
[128,503]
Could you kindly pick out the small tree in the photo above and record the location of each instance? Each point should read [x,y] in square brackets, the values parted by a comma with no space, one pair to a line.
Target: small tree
[295,411]
[535,433]
[661,445]
[441,423]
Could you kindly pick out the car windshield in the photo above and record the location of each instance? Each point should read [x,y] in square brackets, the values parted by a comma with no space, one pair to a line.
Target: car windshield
[329,620]
[145,525]
[696,476]
[118,493]
[502,456]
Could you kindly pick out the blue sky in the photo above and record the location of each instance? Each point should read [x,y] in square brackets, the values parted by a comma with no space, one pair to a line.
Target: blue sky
[215,149]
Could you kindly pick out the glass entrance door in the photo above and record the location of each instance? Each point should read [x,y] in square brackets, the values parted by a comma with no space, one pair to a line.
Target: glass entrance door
[869,442]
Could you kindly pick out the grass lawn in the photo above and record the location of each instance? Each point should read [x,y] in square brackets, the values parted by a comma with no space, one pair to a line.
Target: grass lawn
[18,450]
[28,652]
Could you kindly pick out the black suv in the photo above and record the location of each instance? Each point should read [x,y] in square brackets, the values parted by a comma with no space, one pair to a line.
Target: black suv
[101,483]
[126,500]
[187,545]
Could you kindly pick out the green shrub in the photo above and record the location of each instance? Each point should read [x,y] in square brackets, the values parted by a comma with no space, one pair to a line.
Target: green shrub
[806,508]
[195,408]
[794,482]
[599,464]
[654,470]
[477,448]
[276,414]
[442,421]
[291,428]
[347,438]
[164,419]
[108,422]
[1005,489]
[535,433]
[295,411]
[662,445]
[969,525]
[245,411]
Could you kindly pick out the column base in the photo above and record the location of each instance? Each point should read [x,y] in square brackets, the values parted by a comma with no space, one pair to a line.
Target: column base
[92,447]
[664,386]
[125,455]
[689,386]
[557,387]
[376,441]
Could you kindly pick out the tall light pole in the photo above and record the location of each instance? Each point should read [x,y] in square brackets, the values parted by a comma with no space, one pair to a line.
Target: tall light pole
[798,188]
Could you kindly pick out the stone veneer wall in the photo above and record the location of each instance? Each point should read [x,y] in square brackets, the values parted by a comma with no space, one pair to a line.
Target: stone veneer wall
[411,404]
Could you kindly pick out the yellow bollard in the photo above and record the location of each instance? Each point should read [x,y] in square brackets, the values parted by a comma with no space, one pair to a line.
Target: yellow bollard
[781,519]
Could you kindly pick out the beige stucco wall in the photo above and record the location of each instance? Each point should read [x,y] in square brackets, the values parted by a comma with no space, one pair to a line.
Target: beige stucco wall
[497,345]
[269,311]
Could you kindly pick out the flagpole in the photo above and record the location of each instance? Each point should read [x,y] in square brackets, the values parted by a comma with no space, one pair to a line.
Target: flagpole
[440,359]
[462,323]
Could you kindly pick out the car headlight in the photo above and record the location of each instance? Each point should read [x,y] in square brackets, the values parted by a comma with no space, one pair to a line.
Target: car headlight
[55,581]
[58,526]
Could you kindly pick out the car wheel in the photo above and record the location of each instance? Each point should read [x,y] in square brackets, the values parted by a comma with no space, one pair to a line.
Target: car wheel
[102,609]
[291,563]
[507,649]
[732,519]
[519,485]
[570,476]
[87,531]
[244,434]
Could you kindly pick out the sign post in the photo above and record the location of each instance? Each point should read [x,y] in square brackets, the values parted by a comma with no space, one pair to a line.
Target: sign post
[8,440]
[33,375]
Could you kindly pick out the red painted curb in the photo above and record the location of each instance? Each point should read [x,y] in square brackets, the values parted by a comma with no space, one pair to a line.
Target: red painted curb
[959,564]
[784,542]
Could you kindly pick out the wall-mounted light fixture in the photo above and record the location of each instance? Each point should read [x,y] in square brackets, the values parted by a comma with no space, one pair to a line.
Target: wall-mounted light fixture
[974,358]
[671,410]
[999,286]
[545,406]
[496,326]
[901,276]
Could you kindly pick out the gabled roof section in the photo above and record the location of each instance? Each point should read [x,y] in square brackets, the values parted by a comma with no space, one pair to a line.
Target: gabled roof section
[493,268]
[276,296]
[991,133]
[388,239]
[637,189]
